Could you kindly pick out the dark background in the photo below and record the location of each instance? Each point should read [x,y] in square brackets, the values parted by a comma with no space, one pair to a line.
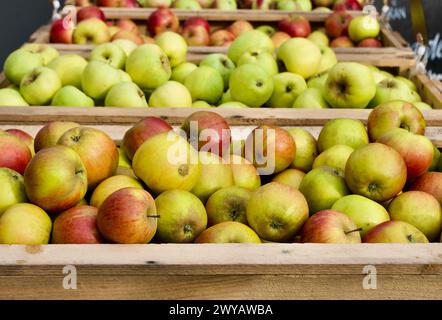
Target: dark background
[19,18]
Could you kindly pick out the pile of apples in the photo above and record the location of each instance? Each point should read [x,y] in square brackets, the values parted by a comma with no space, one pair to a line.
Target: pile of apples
[198,184]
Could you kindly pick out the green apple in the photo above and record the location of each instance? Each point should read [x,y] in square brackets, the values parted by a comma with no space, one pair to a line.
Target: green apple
[11,98]
[148,66]
[320,39]
[187,5]
[171,94]
[349,132]
[200,104]
[25,224]
[422,106]
[290,177]
[182,216]
[244,173]
[300,56]
[260,57]
[226,5]
[286,5]
[125,94]
[19,63]
[322,187]
[226,97]
[392,89]
[334,157]
[318,81]
[91,31]
[69,68]
[395,232]
[363,27]
[47,52]
[124,76]
[436,159]
[408,82]
[253,39]
[349,85]
[304,5]
[127,45]
[311,98]
[40,85]
[268,30]
[205,83]
[306,149]
[70,96]
[13,189]
[180,72]
[110,53]
[232,105]
[222,63]
[228,232]
[251,85]
[287,87]
[97,79]
[328,60]
[174,46]
[365,213]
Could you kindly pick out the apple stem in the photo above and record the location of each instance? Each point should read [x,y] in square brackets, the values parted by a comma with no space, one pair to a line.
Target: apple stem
[351,231]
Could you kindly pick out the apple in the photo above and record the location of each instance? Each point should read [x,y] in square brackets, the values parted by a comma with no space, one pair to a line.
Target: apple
[342,5]
[422,106]
[40,85]
[167,161]
[311,98]
[226,97]
[300,56]
[109,53]
[395,114]
[228,232]
[207,131]
[279,38]
[15,154]
[295,26]
[180,72]
[249,40]
[128,35]
[156,3]
[376,171]
[342,42]
[430,183]
[196,35]
[287,5]
[128,46]
[182,216]
[395,232]
[127,24]
[304,5]
[334,157]
[244,173]
[148,66]
[239,27]
[113,30]
[123,161]
[318,81]
[47,52]
[290,177]
[320,39]
[261,58]
[328,60]
[62,31]
[142,131]
[23,136]
[267,29]
[171,94]
[12,98]
[55,179]
[336,24]
[206,3]
[277,212]
[201,104]
[90,12]
[416,150]
[49,135]
[187,5]
[70,96]
[174,46]
[225,5]
[205,83]
[363,27]
[77,225]
[221,63]
[408,82]
[233,105]
[125,95]
[349,85]
[392,89]
[20,63]
[147,39]
[98,78]
[215,175]
[109,186]
[323,3]
[306,149]
[25,224]
[97,151]
[379,75]
[221,38]
[117,3]
[287,87]
[436,159]
[370,43]
[69,68]
[322,187]
[330,226]
[348,132]
[365,213]
[128,216]
[261,4]
[271,149]
[162,20]
[13,189]
[251,85]
[91,31]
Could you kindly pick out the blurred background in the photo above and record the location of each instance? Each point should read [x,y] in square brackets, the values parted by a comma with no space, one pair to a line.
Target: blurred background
[19,18]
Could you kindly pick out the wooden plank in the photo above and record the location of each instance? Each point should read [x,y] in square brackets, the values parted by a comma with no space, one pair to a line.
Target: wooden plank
[429,90]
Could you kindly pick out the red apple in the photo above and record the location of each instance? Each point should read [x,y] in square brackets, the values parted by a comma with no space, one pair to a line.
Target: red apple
[62,31]
[198,21]
[23,136]
[82,3]
[329,226]
[431,183]
[90,12]
[127,24]
[77,225]
[279,38]
[128,216]
[336,24]
[216,139]
[196,36]
[342,5]
[14,153]
[221,38]
[370,43]
[128,35]
[342,42]
[162,20]
[395,232]
[142,131]
[239,27]
[295,26]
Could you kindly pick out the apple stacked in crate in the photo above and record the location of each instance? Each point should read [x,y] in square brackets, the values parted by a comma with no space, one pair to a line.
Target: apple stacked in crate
[201,183]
